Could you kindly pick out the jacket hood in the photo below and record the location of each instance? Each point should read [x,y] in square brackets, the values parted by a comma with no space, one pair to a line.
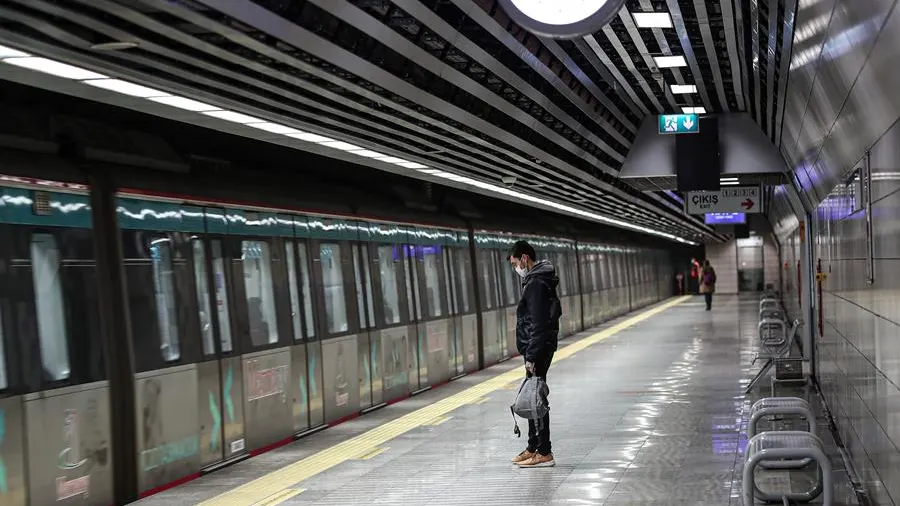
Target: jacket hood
[543,269]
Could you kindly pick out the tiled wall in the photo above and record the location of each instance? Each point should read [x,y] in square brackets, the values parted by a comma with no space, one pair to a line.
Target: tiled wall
[859,352]
[723,258]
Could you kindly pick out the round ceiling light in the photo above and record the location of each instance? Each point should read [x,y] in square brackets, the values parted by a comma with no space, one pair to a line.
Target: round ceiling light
[562,19]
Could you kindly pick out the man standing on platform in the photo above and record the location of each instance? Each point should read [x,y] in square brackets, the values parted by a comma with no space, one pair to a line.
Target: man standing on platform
[537,334]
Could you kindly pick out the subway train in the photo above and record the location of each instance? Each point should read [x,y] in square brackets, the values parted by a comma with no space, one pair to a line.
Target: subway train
[251,326]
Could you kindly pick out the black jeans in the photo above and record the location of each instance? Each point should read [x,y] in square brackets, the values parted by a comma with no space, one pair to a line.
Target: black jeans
[708,297]
[539,430]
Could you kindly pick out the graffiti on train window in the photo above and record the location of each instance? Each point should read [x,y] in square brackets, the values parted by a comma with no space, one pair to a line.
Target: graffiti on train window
[296,318]
[51,317]
[3,380]
[333,285]
[259,292]
[164,296]
[307,293]
[465,290]
[390,295]
[204,305]
[431,262]
[218,265]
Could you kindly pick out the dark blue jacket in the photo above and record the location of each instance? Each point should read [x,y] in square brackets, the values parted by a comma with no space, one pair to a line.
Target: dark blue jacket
[537,317]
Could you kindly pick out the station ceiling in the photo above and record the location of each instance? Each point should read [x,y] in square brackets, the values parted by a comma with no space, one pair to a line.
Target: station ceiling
[452,90]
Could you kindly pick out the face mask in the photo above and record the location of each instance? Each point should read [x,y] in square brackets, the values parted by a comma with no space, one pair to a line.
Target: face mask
[521,271]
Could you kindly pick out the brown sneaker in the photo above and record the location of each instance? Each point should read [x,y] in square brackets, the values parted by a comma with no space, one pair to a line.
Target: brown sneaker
[538,460]
[522,457]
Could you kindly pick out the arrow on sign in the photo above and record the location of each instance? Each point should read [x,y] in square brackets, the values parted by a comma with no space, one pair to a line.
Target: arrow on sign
[747,204]
[689,122]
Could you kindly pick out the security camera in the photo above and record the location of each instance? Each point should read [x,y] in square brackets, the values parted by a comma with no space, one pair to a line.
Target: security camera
[508,180]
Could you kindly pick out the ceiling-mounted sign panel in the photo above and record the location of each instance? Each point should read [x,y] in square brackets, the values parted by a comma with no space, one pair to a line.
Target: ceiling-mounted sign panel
[562,19]
[735,199]
[671,124]
[725,219]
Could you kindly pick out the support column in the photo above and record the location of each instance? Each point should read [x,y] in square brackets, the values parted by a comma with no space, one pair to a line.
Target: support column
[115,331]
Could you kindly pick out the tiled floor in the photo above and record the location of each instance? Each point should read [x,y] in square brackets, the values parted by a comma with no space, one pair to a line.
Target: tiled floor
[653,415]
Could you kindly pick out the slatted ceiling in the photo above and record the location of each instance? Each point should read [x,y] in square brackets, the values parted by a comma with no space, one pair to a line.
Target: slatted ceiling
[578,97]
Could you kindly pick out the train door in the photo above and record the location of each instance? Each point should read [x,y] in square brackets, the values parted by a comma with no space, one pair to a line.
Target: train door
[418,362]
[455,359]
[367,342]
[305,358]
[221,377]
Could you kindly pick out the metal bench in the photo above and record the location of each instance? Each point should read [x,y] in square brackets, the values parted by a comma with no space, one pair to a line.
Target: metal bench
[772,331]
[781,406]
[774,352]
[791,446]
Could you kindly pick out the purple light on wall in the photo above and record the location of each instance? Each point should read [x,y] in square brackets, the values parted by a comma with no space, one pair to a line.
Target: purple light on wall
[674,196]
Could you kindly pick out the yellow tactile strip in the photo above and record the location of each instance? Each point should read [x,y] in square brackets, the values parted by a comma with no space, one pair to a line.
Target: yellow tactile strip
[280,481]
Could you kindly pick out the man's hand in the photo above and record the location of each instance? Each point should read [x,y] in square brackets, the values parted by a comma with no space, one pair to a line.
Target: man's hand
[529,366]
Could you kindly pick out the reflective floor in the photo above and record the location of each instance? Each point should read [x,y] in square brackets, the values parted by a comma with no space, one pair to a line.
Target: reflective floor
[652,414]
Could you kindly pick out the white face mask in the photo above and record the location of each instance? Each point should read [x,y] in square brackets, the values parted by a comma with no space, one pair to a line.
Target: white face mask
[521,271]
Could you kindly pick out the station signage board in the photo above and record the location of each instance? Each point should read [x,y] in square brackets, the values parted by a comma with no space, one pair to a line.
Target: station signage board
[725,218]
[670,124]
[730,199]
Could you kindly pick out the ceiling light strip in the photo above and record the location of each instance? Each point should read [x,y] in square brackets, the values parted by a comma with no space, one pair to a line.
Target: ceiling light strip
[64,70]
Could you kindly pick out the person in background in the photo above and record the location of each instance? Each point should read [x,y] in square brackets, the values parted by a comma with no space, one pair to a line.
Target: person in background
[537,334]
[708,283]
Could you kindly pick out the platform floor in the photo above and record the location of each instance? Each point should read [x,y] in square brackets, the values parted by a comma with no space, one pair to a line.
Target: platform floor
[646,410]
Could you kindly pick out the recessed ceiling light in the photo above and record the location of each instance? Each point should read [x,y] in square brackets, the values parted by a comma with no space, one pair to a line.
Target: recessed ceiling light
[275,128]
[308,137]
[652,19]
[8,52]
[126,88]
[693,110]
[729,183]
[185,103]
[724,179]
[682,89]
[235,117]
[54,68]
[665,62]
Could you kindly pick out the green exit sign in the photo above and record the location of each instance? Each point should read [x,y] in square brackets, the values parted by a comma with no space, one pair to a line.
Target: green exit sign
[679,124]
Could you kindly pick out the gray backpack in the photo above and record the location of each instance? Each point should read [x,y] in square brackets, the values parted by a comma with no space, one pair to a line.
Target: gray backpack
[531,402]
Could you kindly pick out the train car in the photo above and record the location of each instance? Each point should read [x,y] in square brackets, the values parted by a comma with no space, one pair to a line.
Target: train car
[251,326]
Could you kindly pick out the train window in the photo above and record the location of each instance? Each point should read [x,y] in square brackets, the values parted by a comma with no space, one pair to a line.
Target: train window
[3,381]
[203,299]
[509,283]
[449,274]
[367,276]
[390,295]
[296,318]
[359,275]
[432,281]
[259,292]
[463,271]
[164,294]
[485,268]
[218,263]
[333,285]
[307,293]
[51,318]
[412,285]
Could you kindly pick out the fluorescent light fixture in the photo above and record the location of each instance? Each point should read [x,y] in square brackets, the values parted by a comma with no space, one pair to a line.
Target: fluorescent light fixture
[185,103]
[681,89]
[693,110]
[308,137]
[413,165]
[665,62]
[341,145]
[729,183]
[723,179]
[430,171]
[652,19]
[54,68]
[368,153]
[275,128]
[394,160]
[8,52]
[234,117]
[126,88]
